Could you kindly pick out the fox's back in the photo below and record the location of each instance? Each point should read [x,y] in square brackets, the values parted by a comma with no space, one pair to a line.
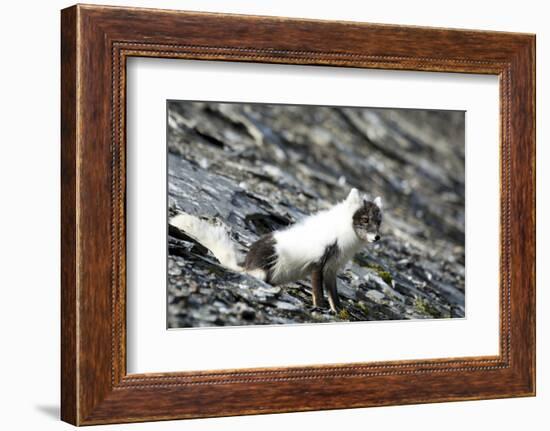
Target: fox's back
[304,244]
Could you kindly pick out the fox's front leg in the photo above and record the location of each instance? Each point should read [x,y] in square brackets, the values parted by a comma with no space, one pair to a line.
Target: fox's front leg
[329,280]
[317,288]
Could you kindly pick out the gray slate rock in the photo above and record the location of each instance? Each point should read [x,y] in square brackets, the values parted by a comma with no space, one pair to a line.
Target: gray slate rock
[261,167]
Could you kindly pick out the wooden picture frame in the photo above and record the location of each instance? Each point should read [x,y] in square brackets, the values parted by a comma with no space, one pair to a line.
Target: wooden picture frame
[95,43]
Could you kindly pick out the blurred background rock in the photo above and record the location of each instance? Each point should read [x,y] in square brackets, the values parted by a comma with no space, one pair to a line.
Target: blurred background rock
[261,167]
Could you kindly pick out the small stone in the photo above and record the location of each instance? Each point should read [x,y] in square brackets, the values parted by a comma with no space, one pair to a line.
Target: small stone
[281,305]
[375,295]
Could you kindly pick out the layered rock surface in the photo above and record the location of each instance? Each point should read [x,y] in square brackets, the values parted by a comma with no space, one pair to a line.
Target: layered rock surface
[261,167]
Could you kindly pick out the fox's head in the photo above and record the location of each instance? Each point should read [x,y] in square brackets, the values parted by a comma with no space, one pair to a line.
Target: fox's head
[367,219]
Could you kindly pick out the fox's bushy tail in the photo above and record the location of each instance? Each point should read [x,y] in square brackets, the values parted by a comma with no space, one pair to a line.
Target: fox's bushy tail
[215,237]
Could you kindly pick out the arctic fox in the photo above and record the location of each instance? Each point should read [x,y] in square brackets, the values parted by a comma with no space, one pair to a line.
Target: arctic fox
[318,245]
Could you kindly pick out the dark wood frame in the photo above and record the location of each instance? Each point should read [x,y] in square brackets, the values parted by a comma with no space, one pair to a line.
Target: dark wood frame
[95,43]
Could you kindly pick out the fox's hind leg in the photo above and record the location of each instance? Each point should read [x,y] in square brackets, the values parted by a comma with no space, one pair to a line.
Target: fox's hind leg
[261,258]
[317,288]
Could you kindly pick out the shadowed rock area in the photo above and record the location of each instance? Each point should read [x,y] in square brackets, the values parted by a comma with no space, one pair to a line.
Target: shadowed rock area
[258,168]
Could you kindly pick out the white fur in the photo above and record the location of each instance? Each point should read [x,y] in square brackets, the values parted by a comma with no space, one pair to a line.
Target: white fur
[371,237]
[306,241]
[214,237]
[378,202]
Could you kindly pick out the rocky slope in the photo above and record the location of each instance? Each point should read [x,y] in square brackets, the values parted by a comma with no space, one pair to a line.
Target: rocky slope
[261,167]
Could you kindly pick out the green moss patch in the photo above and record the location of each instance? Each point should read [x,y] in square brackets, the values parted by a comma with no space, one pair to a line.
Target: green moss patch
[424,307]
[344,314]
[382,272]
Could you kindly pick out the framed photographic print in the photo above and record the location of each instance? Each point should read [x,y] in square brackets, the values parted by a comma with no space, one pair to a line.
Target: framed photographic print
[264,214]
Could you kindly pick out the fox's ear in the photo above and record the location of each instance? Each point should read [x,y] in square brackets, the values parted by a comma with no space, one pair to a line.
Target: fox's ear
[378,202]
[353,197]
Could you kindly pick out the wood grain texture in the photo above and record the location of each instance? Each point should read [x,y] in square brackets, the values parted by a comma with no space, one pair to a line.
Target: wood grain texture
[68,218]
[96,41]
